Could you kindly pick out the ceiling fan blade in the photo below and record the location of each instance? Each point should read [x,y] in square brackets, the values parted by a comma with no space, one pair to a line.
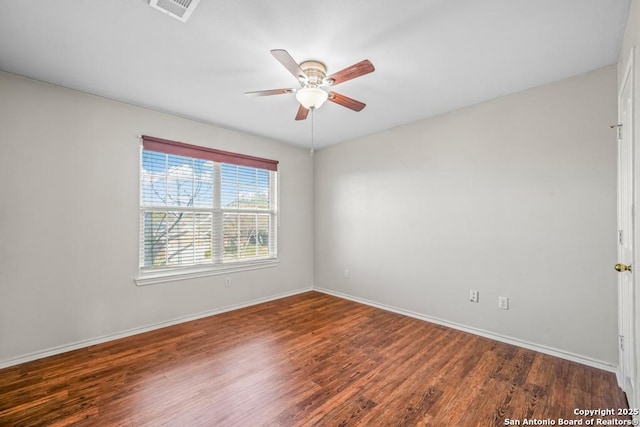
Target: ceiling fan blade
[356,70]
[345,101]
[302,113]
[270,92]
[289,63]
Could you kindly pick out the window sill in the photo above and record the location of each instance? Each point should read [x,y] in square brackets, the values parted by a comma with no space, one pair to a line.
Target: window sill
[174,275]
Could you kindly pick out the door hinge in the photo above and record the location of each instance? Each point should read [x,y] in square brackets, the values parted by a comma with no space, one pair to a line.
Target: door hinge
[619,129]
[621,342]
[620,237]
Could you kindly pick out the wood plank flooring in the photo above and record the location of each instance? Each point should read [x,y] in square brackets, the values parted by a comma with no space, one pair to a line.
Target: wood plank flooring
[311,359]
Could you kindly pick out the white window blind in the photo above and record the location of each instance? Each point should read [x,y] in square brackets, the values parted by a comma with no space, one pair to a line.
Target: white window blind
[198,212]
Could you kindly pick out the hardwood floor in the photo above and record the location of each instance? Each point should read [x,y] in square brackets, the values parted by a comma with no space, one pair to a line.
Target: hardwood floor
[310,359]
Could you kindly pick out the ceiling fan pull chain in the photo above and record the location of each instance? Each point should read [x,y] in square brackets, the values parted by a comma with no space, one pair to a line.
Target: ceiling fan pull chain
[313,149]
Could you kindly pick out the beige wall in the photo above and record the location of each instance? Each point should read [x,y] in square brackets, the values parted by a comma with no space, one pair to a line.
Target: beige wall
[69,167]
[513,197]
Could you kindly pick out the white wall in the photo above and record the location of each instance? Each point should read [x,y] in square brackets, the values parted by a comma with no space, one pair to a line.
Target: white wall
[69,171]
[513,197]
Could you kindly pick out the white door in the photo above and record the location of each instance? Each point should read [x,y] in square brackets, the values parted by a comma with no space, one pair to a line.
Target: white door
[625,235]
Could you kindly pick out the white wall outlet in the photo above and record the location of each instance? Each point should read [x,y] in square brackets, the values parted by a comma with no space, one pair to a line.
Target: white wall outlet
[227,282]
[503,303]
[346,273]
[474,295]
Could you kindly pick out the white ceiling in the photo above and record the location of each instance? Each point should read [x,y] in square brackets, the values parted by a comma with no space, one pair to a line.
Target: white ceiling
[431,56]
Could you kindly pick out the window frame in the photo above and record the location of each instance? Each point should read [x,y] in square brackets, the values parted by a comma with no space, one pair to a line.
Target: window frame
[218,265]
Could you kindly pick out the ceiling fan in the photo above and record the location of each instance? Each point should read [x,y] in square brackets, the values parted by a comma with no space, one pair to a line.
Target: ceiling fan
[313,79]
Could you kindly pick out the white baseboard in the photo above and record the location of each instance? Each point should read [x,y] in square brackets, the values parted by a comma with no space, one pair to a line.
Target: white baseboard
[497,337]
[509,340]
[110,337]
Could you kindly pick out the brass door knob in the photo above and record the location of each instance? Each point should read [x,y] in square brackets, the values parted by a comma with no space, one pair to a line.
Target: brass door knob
[622,267]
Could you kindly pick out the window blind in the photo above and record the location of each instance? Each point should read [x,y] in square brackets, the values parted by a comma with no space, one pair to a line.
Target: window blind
[181,149]
[197,211]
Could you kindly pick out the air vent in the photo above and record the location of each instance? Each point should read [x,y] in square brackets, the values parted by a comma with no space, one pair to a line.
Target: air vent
[179,9]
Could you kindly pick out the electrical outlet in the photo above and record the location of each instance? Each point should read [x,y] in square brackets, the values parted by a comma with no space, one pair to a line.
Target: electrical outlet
[474,295]
[346,273]
[227,282]
[503,303]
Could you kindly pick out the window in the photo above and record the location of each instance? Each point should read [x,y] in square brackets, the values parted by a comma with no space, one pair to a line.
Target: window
[204,209]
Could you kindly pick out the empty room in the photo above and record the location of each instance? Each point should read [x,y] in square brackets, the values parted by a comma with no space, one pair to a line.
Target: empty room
[254,213]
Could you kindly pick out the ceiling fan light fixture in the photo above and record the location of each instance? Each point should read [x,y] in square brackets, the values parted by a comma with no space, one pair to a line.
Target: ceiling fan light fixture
[311,97]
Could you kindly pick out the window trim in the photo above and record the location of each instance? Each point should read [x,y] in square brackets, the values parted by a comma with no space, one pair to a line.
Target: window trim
[172,274]
[177,273]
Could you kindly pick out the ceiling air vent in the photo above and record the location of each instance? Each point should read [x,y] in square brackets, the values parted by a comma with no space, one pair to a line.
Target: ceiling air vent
[179,9]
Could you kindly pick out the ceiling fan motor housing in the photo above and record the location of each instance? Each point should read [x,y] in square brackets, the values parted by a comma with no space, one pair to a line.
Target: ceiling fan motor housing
[316,72]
